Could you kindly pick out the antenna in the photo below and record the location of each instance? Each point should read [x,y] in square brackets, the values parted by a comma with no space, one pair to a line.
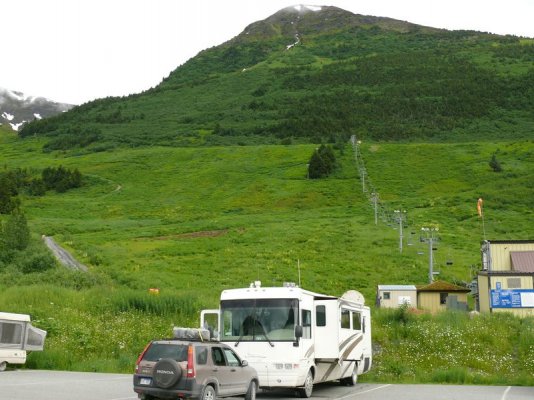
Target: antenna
[298,266]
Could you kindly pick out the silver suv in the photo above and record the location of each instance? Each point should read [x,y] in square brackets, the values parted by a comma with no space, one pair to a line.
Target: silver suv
[192,368]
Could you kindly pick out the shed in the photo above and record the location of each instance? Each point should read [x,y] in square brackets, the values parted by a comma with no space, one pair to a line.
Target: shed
[440,295]
[392,296]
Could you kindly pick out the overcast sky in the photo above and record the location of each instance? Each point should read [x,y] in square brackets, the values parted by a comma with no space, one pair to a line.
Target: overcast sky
[74,51]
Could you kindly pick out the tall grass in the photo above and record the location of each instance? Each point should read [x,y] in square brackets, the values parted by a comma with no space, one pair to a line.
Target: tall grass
[452,347]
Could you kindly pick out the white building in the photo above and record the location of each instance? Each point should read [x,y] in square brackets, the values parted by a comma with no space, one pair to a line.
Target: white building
[392,296]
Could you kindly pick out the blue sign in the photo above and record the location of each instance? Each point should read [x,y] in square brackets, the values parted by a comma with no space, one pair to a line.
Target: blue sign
[513,298]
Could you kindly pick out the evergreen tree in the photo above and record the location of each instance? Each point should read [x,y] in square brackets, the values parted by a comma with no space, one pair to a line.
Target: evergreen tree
[322,162]
[495,164]
[8,191]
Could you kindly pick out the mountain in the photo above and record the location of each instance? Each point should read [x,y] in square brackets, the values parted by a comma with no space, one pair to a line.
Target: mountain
[316,74]
[16,108]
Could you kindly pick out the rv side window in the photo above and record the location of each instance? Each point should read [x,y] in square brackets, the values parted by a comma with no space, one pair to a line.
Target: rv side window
[320,316]
[10,333]
[345,319]
[356,321]
[306,324]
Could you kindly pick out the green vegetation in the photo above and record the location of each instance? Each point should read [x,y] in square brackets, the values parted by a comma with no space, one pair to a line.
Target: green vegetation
[381,79]
[194,221]
[201,184]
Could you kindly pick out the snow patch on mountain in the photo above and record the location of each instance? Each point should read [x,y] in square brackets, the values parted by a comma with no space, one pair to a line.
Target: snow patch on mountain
[304,7]
[16,108]
[7,116]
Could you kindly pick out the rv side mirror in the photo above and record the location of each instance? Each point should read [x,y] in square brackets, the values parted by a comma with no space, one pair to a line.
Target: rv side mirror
[244,363]
[298,331]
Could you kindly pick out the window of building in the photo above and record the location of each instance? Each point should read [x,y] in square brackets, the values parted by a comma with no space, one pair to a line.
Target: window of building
[345,319]
[320,316]
[514,283]
[443,298]
[387,295]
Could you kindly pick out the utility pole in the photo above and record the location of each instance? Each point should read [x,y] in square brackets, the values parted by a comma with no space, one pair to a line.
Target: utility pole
[400,219]
[374,197]
[430,240]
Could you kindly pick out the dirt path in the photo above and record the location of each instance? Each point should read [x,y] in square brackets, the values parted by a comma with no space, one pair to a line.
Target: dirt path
[63,256]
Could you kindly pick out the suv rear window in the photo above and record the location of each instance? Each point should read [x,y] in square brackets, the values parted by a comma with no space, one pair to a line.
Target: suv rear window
[157,351]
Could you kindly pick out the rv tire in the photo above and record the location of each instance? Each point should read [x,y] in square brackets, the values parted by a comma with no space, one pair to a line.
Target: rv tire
[3,366]
[352,379]
[306,391]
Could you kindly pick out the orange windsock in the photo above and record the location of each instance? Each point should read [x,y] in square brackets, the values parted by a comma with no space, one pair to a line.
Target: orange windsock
[479,207]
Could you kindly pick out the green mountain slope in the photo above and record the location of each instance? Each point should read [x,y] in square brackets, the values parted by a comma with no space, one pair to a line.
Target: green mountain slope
[318,76]
[194,221]
[152,216]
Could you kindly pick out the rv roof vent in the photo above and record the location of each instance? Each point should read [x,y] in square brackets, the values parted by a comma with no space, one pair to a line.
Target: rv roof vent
[255,284]
[354,295]
[290,284]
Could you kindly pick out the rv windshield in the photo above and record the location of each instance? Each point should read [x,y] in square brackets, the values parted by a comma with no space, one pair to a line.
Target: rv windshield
[262,320]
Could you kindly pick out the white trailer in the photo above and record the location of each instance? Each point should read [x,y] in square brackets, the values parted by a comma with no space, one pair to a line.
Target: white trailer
[17,337]
[293,337]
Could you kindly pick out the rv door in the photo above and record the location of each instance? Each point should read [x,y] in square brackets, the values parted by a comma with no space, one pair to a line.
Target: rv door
[209,319]
[35,338]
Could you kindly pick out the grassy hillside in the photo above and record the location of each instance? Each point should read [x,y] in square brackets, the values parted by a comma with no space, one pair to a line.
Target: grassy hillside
[194,221]
[378,78]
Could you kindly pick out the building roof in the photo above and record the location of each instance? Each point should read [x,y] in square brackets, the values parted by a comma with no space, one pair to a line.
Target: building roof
[522,261]
[509,241]
[397,287]
[441,286]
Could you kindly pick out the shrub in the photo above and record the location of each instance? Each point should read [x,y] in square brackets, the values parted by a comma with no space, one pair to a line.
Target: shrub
[15,233]
[37,262]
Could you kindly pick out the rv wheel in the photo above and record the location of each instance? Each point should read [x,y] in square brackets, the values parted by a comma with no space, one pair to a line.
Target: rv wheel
[307,390]
[352,379]
[3,366]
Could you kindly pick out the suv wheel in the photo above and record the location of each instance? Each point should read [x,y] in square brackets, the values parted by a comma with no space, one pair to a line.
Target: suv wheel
[251,392]
[208,393]
[166,373]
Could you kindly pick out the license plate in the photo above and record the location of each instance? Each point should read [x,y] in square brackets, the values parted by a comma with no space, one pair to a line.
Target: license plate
[145,381]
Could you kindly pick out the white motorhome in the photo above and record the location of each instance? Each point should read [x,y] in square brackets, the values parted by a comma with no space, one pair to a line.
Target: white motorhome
[293,337]
[17,337]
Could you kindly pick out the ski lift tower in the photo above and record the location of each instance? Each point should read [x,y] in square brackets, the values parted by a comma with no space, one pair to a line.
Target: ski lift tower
[430,239]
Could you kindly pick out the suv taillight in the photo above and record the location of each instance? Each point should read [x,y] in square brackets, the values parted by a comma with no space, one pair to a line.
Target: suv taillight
[141,357]
[190,363]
